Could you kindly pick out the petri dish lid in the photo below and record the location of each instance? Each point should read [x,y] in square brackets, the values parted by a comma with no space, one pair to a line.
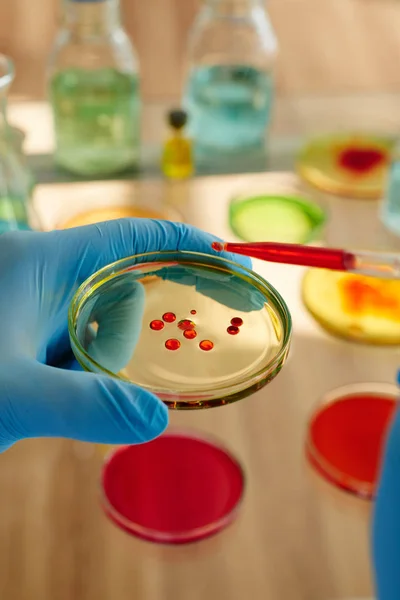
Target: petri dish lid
[347,164]
[176,489]
[98,215]
[346,434]
[197,330]
[355,307]
[276,218]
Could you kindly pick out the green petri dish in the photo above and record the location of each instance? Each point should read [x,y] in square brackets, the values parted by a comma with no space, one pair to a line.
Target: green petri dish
[276,218]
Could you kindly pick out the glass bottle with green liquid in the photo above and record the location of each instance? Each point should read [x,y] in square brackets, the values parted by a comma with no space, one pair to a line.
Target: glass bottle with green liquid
[229,86]
[15,181]
[94,91]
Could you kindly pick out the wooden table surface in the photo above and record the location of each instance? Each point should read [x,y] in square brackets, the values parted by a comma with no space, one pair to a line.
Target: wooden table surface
[296,538]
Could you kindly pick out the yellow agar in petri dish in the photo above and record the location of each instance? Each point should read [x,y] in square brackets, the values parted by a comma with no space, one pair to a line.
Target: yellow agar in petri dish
[355,307]
[110,213]
[349,165]
[166,322]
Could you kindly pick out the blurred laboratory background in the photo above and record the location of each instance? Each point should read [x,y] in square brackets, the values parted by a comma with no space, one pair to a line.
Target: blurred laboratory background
[326,46]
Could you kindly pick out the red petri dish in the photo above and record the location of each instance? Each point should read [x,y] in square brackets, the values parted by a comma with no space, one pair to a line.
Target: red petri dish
[346,435]
[177,489]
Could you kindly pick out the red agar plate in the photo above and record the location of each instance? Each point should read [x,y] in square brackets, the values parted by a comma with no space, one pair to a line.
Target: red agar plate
[350,165]
[346,434]
[177,489]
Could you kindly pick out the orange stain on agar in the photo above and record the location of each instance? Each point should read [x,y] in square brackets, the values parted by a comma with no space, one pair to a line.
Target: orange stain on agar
[367,296]
[206,345]
[172,344]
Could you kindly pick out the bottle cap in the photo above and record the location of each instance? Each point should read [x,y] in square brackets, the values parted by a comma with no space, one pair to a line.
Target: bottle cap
[177,118]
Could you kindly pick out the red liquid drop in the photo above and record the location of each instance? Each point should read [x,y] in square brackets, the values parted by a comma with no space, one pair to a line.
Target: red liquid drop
[217,246]
[206,345]
[190,334]
[169,317]
[361,160]
[236,321]
[186,324]
[156,325]
[172,344]
[232,330]
[346,438]
[193,312]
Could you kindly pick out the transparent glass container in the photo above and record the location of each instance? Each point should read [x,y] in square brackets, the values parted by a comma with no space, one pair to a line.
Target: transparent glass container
[15,179]
[390,206]
[93,81]
[229,87]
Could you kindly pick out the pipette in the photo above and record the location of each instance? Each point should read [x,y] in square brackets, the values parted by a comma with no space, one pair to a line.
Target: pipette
[375,264]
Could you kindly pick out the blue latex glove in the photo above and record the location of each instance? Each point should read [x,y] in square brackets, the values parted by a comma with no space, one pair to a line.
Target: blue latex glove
[386,519]
[42,391]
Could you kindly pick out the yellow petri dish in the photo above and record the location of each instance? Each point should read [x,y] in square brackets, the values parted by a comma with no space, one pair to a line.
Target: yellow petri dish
[355,307]
[196,330]
[349,165]
[110,213]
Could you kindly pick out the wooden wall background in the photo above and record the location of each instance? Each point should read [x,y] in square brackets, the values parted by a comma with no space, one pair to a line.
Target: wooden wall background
[327,46]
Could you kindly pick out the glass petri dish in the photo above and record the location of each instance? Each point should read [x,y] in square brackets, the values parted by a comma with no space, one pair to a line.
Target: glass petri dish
[276,217]
[346,434]
[347,164]
[354,307]
[98,215]
[176,489]
[197,330]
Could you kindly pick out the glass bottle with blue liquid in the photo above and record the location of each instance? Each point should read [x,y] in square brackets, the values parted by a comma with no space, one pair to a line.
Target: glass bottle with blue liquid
[390,207]
[15,180]
[229,87]
[94,91]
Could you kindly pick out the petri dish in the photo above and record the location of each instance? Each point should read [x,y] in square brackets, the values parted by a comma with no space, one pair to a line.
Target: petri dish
[276,217]
[354,307]
[98,215]
[176,489]
[346,164]
[346,434]
[163,321]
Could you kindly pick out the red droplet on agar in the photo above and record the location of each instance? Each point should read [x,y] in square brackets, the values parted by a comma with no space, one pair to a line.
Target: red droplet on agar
[232,330]
[346,438]
[206,345]
[236,321]
[172,344]
[193,312]
[217,246]
[156,325]
[361,160]
[190,334]
[185,324]
[169,317]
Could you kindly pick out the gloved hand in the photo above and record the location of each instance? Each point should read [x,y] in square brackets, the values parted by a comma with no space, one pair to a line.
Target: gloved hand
[386,518]
[42,391]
